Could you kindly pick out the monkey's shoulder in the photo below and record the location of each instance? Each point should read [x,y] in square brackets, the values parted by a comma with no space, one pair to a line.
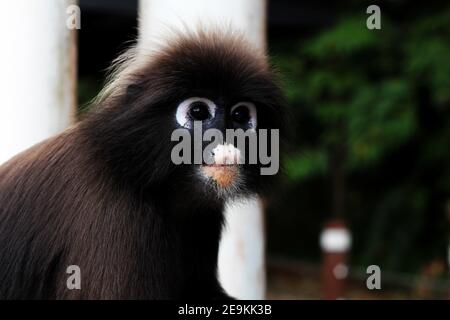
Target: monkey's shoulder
[47,176]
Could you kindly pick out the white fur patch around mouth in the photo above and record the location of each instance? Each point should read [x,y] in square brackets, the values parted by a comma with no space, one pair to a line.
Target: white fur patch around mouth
[224,167]
[226,154]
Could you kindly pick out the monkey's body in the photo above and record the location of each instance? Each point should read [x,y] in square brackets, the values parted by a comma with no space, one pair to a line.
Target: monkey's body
[105,196]
[126,249]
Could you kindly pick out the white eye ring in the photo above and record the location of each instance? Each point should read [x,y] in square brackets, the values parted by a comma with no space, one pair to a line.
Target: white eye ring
[252,112]
[182,115]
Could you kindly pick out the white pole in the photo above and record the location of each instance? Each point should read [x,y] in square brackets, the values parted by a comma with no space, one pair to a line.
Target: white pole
[241,257]
[37,73]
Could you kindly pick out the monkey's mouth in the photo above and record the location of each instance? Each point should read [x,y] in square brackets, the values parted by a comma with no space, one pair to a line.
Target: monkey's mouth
[223,174]
[223,170]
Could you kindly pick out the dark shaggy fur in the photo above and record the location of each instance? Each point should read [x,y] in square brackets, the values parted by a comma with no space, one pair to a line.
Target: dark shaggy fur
[105,196]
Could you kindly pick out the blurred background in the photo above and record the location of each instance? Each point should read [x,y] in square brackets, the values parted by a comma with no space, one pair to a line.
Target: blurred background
[371,146]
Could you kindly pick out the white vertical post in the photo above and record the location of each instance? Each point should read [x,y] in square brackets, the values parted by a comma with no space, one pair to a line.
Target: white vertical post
[37,73]
[241,257]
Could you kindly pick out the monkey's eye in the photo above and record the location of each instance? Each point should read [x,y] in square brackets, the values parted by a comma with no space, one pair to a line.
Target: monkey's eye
[244,113]
[195,109]
[199,111]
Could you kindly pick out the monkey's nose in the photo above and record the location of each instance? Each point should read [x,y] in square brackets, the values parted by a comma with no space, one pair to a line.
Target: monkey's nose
[226,154]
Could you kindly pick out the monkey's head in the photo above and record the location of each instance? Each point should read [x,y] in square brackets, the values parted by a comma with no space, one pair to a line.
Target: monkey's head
[154,120]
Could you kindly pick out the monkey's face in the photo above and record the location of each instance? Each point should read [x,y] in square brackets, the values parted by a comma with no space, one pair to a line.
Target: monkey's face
[221,139]
[202,115]
[218,147]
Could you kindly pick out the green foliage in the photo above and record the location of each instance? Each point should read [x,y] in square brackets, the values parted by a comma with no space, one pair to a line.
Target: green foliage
[359,84]
[347,38]
[379,118]
[427,53]
[301,165]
